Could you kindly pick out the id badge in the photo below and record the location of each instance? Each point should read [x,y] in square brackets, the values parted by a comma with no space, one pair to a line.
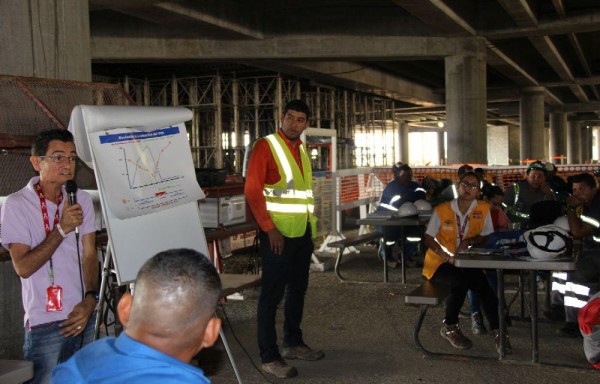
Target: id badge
[54,298]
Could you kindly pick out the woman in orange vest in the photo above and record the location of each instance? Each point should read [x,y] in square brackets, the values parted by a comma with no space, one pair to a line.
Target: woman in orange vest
[454,227]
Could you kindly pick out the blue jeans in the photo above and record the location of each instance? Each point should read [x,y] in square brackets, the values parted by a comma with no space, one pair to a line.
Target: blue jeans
[47,348]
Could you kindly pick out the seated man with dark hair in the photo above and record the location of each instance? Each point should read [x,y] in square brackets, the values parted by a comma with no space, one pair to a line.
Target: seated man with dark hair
[168,320]
[402,189]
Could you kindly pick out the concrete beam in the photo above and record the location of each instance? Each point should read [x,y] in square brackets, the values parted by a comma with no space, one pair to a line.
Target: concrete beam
[360,78]
[352,48]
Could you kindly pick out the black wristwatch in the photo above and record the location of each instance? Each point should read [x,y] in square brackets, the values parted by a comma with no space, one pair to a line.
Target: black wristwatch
[93,293]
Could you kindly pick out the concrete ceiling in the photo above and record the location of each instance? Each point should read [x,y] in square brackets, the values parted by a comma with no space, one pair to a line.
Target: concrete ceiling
[388,47]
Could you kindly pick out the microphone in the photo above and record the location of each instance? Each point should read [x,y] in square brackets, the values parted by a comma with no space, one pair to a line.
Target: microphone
[71,188]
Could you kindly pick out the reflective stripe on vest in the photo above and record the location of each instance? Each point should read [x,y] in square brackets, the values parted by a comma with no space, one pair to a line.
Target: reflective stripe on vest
[513,208]
[594,223]
[290,201]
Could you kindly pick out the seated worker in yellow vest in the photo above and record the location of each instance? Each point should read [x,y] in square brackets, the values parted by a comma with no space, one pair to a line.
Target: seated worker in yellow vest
[454,226]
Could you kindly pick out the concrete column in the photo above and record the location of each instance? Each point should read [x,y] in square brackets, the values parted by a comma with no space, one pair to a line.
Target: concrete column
[49,39]
[498,145]
[441,148]
[532,123]
[573,138]
[466,108]
[514,141]
[558,128]
[403,142]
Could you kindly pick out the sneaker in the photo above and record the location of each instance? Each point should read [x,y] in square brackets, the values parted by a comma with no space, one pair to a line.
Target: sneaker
[477,325]
[280,369]
[507,346]
[302,352]
[570,330]
[454,335]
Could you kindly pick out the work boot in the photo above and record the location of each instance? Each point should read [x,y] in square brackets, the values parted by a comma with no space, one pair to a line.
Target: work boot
[507,346]
[454,335]
[280,369]
[302,352]
[477,326]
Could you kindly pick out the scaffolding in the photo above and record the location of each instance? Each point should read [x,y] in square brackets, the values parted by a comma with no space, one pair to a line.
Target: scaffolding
[231,110]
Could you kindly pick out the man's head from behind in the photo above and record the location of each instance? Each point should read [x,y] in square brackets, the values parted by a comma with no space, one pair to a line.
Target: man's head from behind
[403,172]
[173,304]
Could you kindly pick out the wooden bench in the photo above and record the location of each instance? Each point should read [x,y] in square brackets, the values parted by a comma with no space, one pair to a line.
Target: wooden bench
[342,244]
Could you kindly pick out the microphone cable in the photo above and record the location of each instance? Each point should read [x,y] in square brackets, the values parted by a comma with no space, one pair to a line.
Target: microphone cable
[240,343]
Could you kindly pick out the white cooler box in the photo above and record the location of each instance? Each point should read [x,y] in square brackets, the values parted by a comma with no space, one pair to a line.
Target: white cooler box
[223,211]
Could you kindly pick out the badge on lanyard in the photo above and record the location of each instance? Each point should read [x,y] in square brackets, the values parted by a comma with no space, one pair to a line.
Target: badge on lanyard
[54,293]
[54,298]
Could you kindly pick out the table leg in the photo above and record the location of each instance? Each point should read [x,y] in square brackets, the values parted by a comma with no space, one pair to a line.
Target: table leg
[385,269]
[402,254]
[534,316]
[501,319]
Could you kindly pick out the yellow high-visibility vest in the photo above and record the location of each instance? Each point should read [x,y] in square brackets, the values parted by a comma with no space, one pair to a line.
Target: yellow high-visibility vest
[290,201]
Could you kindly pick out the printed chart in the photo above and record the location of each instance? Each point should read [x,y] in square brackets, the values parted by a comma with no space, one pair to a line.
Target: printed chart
[146,171]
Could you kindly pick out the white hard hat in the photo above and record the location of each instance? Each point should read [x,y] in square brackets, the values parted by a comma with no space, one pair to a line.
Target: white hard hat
[423,205]
[407,209]
[563,222]
[547,242]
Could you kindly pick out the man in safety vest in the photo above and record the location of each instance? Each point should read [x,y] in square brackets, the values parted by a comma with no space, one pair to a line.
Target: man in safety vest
[519,197]
[279,192]
[583,213]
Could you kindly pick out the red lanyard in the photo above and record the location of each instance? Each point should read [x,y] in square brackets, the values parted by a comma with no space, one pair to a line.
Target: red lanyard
[461,229]
[47,228]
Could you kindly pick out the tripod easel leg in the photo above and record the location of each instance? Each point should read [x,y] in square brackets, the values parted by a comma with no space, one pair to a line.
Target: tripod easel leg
[102,295]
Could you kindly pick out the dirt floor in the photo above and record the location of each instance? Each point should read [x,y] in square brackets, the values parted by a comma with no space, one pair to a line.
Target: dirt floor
[366,330]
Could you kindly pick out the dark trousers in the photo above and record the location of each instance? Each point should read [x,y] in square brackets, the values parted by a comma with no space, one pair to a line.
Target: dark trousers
[285,273]
[460,280]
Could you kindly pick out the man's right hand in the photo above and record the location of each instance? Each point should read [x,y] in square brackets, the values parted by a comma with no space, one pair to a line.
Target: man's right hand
[276,241]
[72,217]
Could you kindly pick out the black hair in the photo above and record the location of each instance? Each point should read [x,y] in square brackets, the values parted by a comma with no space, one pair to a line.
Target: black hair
[297,105]
[184,269]
[493,190]
[470,173]
[399,167]
[42,140]
[463,169]
[584,178]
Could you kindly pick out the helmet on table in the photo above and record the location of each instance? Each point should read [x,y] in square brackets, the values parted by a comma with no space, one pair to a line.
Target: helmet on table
[407,209]
[423,205]
[563,222]
[547,242]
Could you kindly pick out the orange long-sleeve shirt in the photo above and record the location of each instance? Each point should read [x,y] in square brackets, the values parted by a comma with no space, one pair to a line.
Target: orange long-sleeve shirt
[262,169]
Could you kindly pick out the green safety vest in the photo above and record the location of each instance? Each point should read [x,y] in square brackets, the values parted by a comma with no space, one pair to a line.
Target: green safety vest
[290,201]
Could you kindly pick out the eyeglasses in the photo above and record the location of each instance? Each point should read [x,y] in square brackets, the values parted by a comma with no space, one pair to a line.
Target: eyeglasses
[60,158]
[468,185]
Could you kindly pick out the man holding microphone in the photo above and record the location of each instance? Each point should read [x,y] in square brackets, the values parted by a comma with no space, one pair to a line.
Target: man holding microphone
[57,266]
